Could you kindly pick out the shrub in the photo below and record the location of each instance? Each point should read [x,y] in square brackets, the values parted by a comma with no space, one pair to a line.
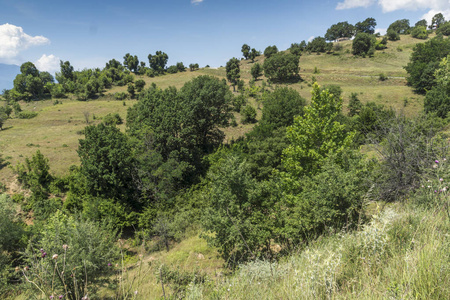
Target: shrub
[120,95]
[382,77]
[419,32]
[112,119]
[248,114]
[27,114]
[77,251]
[363,44]
[392,35]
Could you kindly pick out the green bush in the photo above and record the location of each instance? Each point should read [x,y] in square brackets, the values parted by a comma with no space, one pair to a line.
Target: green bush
[27,114]
[112,119]
[248,114]
[419,32]
[120,95]
[71,256]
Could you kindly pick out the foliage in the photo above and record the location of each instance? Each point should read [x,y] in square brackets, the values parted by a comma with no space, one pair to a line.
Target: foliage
[419,32]
[354,105]
[107,163]
[172,69]
[248,114]
[400,26]
[318,45]
[316,135]
[245,51]
[193,67]
[332,197]
[281,67]
[437,100]
[363,44]
[233,71]
[424,62]
[297,49]
[444,29]
[270,50]
[340,30]
[437,20]
[380,45]
[112,119]
[240,212]
[281,106]
[139,85]
[74,254]
[158,61]
[256,71]
[131,62]
[392,35]
[366,26]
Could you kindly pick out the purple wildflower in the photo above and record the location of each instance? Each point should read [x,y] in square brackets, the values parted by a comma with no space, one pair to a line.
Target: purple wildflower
[436,161]
[44,254]
[109,264]
[61,296]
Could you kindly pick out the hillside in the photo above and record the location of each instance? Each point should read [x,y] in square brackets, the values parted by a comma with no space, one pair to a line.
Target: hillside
[54,130]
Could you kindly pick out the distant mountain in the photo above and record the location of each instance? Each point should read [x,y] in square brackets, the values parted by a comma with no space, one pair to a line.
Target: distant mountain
[7,75]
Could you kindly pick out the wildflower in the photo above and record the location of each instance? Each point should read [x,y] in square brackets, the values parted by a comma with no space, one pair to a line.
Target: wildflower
[65,246]
[44,254]
[61,296]
[55,256]
[435,191]
[51,297]
[436,161]
[135,292]
[17,269]
[42,250]
[444,189]
[109,264]
[26,268]
[440,179]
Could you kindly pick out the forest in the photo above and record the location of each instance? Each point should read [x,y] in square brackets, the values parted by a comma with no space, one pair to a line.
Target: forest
[329,196]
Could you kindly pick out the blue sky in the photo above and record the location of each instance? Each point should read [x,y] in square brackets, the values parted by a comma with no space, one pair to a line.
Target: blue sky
[89,33]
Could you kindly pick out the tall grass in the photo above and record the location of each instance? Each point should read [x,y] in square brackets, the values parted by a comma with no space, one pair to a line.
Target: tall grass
[403,253]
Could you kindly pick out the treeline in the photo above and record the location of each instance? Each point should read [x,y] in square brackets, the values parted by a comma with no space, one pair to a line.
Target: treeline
[31,84]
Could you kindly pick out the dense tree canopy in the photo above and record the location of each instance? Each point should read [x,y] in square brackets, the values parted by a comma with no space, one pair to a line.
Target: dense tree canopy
[281,67]
[245,51]
[363,44]
[340,30]
[270,50]
[158,61]
[400,26]
[131,62]
[366,26]
[424,61]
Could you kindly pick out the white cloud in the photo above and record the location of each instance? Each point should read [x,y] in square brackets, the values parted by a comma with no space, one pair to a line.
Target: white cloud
[196,2]
[310,38]
[429,15]
[381,31]
[13,40]
[48,63]
[354,3]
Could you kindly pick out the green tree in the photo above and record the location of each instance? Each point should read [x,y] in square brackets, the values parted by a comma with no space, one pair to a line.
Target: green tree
[240,212]
[437,20]
[354,105]
[3,118]
[108,164]
[437,100]
[233,71]
[400,26]
[270,50]
[419,32]
[248,114]
[131,90]
[66,74]
[281,67]
[131,62]
[363,44]
[245,51]
[281,106]
[340,30]
[206,104]
[422,22]
[158,61]
[180,67]
[444,29]
[139,85]
[296,49]
[316,135]
[392,35]
[253,54]
[424,62]
[256,71]
[366,26]
[318,45]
